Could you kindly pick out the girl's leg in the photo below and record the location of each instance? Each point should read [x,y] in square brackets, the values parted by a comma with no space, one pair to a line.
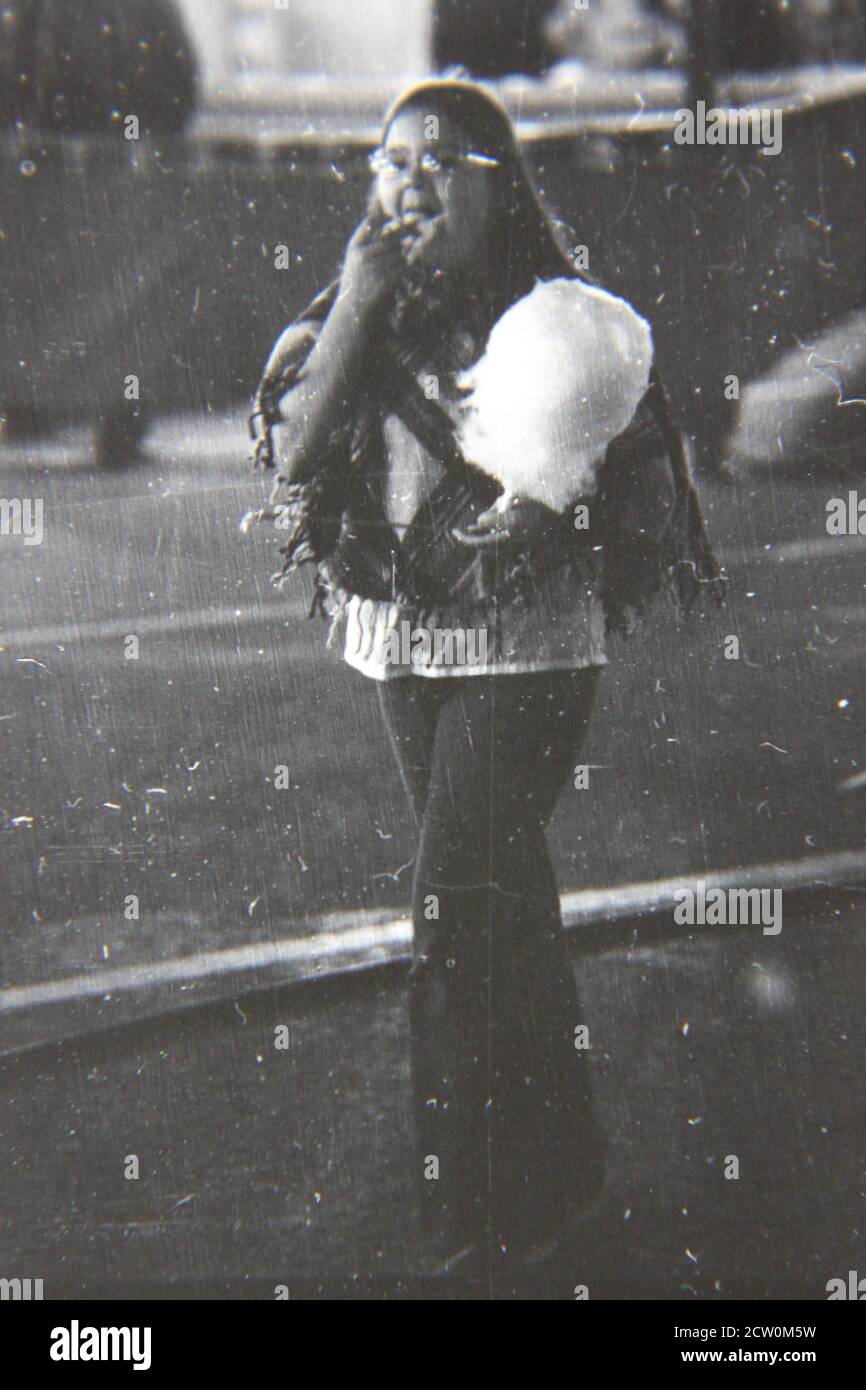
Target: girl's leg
[502,1106]
[410,710]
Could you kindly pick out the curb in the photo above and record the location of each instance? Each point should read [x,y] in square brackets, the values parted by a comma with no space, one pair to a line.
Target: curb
[340,944]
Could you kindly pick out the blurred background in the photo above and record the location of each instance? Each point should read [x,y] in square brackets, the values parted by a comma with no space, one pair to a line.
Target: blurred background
[139,297]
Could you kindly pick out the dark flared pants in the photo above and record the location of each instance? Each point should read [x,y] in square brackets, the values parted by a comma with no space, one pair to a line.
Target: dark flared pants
[506,1140]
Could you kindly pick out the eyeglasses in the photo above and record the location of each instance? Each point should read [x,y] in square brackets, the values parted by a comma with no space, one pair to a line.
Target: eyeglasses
[392,164]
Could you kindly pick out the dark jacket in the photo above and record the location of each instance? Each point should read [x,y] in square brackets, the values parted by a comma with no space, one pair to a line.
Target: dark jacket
[336,519]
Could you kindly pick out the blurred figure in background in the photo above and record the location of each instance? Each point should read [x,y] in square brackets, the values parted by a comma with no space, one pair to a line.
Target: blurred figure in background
[737,35]
[621,34]
[764,35]
[79,69]
[492,38]
[848,41]
[755,35]
[72,68]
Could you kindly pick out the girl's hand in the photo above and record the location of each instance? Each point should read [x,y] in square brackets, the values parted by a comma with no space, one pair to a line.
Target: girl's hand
[421,238]
[517,520]
[374,262]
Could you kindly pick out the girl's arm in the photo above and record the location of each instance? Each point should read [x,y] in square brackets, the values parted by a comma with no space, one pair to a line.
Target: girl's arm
[322,396]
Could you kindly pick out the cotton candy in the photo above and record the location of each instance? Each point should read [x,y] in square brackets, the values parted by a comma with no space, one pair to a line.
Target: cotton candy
[564,370]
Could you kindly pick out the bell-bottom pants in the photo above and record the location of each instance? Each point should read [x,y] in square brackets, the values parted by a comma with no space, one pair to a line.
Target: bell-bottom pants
[506,1139]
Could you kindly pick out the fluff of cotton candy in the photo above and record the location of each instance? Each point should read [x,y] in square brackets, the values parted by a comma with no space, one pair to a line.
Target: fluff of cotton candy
[563,372]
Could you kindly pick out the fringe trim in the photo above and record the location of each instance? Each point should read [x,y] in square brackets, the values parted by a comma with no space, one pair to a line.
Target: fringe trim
[331,599]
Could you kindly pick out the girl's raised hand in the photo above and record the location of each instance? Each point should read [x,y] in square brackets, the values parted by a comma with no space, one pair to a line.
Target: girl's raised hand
[421,238]
[374,261]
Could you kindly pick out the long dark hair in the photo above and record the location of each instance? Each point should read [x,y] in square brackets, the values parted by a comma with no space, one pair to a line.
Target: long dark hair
[524,243]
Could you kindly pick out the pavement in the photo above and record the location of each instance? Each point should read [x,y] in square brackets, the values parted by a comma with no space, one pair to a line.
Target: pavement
[263,1168]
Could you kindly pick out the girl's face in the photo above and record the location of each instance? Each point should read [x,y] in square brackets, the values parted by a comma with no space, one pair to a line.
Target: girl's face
[429,173]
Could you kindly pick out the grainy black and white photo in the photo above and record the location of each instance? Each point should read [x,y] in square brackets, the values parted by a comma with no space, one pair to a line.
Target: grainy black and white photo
[432,659]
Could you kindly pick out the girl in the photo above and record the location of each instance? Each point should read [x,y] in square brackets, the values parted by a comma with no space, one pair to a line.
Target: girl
[470,438]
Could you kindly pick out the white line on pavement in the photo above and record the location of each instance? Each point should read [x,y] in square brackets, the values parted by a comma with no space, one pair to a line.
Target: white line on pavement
[357,940]
[103,629]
